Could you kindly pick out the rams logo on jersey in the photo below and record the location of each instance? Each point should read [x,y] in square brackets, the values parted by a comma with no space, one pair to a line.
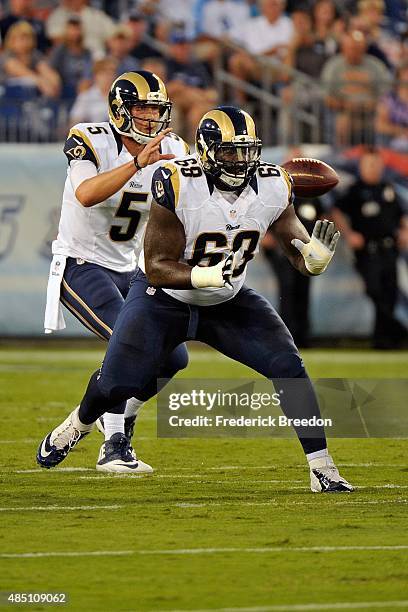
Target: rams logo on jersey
[78,152]
[78,146]
[159,189]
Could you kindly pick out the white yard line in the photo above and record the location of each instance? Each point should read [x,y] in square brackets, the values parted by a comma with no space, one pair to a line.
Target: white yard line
[95,553]
[54,471]
[58,508]
[208,551]
[296,466]
[21,441]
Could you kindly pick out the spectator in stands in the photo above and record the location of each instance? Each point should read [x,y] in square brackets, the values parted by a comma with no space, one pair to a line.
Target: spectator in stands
[72,60]
[307,55]
[138,26]
[371,220]
[215,21]
[392,114]
[353,82]
[372,15]
[188,84]
[91,105]
[118,47]
[327,28]
[23,10]
[23,67]
[357,23]
[155,65]
[220,17]
[270,34]
[177,14]
[96,24]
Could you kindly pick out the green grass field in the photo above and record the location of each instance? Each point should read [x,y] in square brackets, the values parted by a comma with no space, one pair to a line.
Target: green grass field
[223,524]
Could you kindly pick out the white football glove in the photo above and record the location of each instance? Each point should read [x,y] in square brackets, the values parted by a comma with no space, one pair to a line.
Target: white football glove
[318,252]
[214,276]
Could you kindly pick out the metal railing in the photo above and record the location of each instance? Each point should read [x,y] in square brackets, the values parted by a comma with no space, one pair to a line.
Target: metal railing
[305,118]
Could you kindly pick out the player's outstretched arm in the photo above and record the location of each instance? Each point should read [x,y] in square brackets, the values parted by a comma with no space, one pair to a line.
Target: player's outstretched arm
[309,255]
[164,245]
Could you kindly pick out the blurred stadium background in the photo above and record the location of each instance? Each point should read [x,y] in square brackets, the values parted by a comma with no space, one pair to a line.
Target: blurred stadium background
[324,78]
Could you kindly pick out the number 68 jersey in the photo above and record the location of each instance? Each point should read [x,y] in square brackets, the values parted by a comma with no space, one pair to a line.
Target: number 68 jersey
[217,222]
[110,233]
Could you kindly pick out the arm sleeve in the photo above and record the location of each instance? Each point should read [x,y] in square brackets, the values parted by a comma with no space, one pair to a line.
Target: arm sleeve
[164,187]
[78,146]
[80,171]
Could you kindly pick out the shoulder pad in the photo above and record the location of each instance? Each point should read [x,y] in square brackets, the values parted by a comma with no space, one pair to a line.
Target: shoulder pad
[266,170]
[78,146]
[182,148]
[166,186]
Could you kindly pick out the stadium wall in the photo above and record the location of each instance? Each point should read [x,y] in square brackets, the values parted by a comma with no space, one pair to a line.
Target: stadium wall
[31,183]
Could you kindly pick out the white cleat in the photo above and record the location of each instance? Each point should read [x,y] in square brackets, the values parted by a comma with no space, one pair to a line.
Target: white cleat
[325,477]
[117,456]
[61,440]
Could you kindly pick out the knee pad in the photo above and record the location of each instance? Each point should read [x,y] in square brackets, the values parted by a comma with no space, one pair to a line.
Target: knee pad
[113,392]
[286,365]
[177,360]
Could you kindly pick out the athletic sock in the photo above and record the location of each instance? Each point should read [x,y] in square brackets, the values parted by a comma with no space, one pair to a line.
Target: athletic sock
[317,454]
[113,423]
[133,406]
[77,423]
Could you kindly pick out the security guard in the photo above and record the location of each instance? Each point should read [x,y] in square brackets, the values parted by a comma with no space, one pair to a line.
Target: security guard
[370,218]
[294,288]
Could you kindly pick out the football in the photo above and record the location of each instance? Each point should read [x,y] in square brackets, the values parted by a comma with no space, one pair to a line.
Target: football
[311,177]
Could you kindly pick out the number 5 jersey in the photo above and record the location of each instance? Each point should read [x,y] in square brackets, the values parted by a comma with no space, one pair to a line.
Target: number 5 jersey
[217,222]
[110,233]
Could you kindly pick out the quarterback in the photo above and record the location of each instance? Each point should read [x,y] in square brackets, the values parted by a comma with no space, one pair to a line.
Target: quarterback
[106,202]
[210,212]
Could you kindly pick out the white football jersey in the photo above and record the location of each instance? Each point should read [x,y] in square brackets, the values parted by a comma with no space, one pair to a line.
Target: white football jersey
[110,233]
[217,222]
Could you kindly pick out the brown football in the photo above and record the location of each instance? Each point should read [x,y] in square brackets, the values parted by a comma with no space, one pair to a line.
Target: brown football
[311,177]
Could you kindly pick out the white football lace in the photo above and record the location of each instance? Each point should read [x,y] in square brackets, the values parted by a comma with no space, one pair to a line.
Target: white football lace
[69,436]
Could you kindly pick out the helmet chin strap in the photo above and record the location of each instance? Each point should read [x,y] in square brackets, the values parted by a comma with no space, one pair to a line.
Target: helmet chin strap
[140,139]
[233,182]
[222,185]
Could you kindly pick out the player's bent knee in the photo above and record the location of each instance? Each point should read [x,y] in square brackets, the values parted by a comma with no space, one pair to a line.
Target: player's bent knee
[178,360]
[114,392]
[286,365]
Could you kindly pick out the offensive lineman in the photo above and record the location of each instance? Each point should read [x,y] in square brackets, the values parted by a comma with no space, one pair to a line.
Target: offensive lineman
[106,202]
[210,212]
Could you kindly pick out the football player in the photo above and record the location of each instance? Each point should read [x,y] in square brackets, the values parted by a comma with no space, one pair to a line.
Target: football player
[105,206]
[209,214]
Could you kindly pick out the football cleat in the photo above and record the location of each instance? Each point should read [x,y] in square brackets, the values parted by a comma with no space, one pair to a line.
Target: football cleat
[57,444]
[325,477]
[116,455]
[129,429]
